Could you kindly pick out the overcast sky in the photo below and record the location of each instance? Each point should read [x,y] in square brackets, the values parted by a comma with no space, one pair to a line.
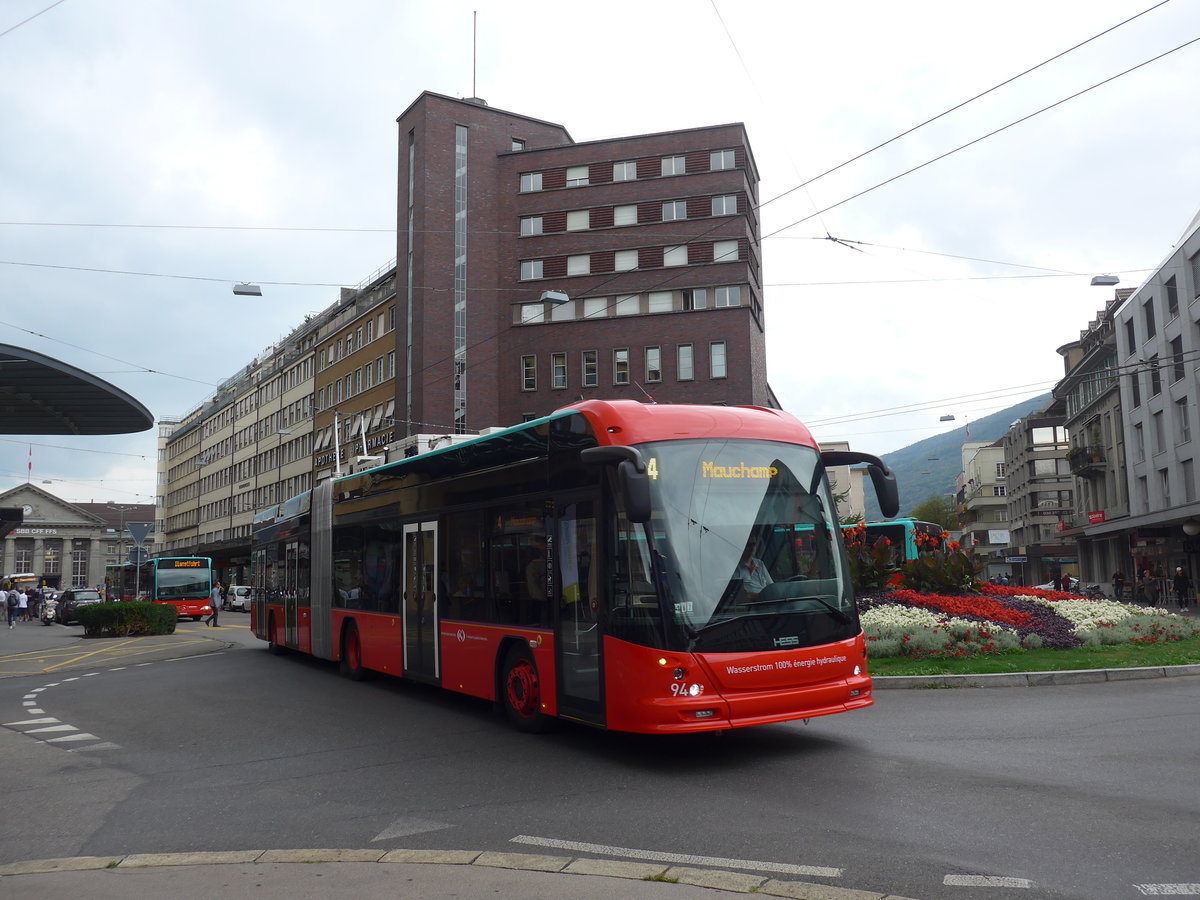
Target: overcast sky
[247,119]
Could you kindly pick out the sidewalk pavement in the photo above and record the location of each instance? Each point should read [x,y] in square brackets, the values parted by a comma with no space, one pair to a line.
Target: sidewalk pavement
[317,874]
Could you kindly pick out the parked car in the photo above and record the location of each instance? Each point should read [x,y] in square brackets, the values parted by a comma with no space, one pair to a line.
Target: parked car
[69,602]
[238,597]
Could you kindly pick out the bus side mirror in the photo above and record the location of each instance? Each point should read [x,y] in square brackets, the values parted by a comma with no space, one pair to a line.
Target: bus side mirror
[632,479]
[887,492]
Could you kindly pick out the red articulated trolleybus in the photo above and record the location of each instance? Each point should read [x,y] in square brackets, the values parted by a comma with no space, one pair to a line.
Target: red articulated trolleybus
[656,569]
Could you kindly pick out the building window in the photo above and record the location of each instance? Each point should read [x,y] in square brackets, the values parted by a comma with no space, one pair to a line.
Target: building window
[625,260]
[1000,470]
[625,171]
[659,301]
[379,370]
[625,215]
[653,364]
[562,312]
[674,165]
[517,144]
[673,210]
[531,269]
[725,205]
[558,370]
[591,368]
[621,365]
[79,567]
[1164,487]
[1139,441]
[531,225]
[696,298]
[1155,377]
[1160,441]
[1183,421]
[531,181]
[1135,387]
[721,159]
[577,176]
[1148,314]
[1172,298]
[716,359]
[529,373]
[999,490]
[578,219]
[684,355]
[727,296]
[628,305]
[1189,481]
[595,307]
[533,312]
[1130,338]
[675,256]
[391,364]
[1178,369]
[725,251]
[579,265]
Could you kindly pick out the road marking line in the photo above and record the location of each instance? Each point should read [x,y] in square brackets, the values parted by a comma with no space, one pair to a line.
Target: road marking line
[35,711]
[1170,890]
[52,728]
[986,881]
[84,656]
[658,856]
[31,722]
[82,736]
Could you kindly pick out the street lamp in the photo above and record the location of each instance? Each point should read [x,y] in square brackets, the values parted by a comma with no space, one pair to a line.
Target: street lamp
[121,539]
[1105,280]
[245,289]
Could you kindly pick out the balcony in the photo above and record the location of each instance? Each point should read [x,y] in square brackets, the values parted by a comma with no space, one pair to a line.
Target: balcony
[1087,461]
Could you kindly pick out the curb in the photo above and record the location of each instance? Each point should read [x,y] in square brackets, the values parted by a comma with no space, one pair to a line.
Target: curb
[1030,679]
[733,882]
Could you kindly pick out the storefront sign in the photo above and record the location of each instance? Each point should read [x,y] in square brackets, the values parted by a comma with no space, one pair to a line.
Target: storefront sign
[1096,517]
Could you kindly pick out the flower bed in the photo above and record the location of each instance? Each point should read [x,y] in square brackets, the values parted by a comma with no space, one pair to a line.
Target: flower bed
[1000,619]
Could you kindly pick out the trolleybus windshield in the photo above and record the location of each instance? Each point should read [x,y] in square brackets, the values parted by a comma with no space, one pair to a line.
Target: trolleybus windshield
[747,543]
[180,578]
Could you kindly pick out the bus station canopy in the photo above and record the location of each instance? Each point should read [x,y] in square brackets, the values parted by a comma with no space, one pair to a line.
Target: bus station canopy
[41,395]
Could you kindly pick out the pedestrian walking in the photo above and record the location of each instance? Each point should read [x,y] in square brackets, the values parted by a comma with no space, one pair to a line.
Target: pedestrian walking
[12,605]
[1118,583]
[1183,587]
[23,606]
[215,602]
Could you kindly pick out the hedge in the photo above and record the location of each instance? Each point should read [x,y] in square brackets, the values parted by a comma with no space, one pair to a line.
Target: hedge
[127,619]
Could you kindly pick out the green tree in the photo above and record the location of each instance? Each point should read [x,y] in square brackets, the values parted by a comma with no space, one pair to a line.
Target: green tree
[939,509]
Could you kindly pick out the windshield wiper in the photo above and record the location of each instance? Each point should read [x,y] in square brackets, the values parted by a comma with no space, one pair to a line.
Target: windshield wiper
[837,613]
[697,634]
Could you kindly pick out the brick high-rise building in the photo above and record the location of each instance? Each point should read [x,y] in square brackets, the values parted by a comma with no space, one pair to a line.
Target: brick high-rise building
[533,271]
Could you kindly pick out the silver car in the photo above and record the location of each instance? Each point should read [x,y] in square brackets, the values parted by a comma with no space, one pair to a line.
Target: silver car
[238,597]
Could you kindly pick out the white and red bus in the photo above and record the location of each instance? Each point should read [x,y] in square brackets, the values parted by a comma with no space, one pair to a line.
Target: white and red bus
[656,569]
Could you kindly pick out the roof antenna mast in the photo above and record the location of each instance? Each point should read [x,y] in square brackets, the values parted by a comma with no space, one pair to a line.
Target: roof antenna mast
[474,48]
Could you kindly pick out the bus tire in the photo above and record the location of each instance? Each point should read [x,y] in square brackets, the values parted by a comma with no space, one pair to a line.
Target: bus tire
[351,662]
[520,691]
[272,644]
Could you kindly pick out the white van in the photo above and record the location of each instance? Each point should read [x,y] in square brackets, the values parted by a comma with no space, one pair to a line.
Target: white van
[238,596]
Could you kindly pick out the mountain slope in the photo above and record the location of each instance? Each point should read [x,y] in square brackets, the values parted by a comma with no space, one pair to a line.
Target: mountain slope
[929,467]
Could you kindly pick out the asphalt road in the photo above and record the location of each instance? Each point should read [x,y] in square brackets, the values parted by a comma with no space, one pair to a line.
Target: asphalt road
[1085,791]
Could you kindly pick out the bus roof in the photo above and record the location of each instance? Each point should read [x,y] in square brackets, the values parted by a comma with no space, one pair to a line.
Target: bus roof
[632,422]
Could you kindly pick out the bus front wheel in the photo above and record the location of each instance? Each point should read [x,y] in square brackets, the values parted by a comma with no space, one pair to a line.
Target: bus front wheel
[521,691]
[351,662]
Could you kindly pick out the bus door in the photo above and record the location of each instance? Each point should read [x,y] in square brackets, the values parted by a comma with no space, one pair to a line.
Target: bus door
[420,600]
[578,643]
[291,594]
